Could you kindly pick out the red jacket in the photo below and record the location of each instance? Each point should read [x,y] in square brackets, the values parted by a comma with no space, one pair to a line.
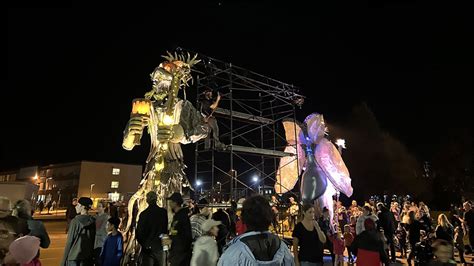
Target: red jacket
[338,245]
[368,258]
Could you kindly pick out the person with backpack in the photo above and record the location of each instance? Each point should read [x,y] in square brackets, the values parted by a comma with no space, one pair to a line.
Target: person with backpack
[79,249]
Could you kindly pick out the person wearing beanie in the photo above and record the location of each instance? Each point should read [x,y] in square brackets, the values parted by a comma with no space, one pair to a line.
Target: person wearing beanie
[79,249]
[368,246]
[23,251]
[205,248]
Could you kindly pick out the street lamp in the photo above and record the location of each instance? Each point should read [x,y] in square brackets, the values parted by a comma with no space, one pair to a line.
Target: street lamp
[198,184]
[255,180]
[90,194]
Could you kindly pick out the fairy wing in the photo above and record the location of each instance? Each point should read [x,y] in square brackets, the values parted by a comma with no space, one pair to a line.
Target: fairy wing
[330,160]
[290,167]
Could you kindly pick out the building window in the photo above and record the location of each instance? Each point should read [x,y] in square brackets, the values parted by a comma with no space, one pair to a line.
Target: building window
[114,196]
[115,171]
[114,184]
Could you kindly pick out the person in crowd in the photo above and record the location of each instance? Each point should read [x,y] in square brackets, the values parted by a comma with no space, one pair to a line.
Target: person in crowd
[205,248]
[293,211]
[342,217]
[468,221]
[404,218]
[23,251]
[22,210]
[257,246]
[414,228]
[112,249]
[222,216]
[11,227]
[348,239]
[180,233]
[442,250]
[395,209]
[368,246]
[49,204]
[240,227]
[353,224]
[424,207]
[53,206]
[113,210]
[386,221]
[366,214]
[327,228]
[79,249]
[41,206]
[423,253]
[338,247]
[232,217]
[275,220]
[152,223]
[198,219]
[354,209]
[100,230]
[425,220]
[459,242]
[308,239]
[444,229]
[401,234]
[70,212]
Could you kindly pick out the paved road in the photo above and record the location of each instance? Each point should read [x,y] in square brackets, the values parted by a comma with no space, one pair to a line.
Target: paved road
[52,255]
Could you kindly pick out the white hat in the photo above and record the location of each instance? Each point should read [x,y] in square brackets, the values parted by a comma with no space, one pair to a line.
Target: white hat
[24,249]
[208,224]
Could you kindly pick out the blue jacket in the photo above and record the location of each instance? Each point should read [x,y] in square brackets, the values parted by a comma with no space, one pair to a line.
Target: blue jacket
[248,248]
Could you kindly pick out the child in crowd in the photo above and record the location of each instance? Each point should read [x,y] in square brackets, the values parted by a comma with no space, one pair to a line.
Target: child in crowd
[338,248]
[348,239]
[353,224]
[401,234]
[112,250]
[23,252]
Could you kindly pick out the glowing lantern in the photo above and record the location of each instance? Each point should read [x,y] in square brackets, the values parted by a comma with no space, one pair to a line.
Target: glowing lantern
[140,108]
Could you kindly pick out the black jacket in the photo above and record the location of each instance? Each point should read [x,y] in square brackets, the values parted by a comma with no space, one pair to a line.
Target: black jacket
[181,236]
[370,240]
[387,222]
[151,224]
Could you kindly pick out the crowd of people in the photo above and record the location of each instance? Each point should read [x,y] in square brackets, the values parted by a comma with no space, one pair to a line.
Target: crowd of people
[368,235]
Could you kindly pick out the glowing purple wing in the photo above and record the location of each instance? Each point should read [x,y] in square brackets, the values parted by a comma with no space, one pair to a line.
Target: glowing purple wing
[330,160]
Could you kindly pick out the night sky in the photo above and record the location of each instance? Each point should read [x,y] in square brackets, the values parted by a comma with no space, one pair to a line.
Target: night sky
[72,73]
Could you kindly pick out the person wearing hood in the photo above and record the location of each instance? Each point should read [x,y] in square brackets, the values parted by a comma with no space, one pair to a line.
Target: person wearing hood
[79,249]
[180,233]
[257,246]
[368,246]
[205,248]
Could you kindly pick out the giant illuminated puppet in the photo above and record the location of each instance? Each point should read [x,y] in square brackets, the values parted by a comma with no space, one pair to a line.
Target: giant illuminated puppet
[170,122]
[324,171]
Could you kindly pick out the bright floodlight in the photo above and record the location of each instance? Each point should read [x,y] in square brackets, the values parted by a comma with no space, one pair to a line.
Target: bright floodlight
[255,178]
[198,182]
[341,143]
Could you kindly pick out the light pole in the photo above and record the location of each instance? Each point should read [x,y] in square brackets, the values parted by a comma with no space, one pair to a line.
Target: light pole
[220,191]
[199,184]
[255,180]
[90,194]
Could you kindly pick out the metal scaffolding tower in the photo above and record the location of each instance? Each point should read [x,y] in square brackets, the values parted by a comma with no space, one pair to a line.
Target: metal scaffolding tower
[250,117]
